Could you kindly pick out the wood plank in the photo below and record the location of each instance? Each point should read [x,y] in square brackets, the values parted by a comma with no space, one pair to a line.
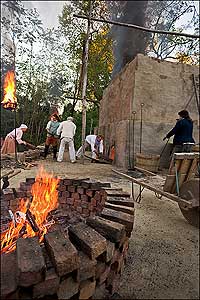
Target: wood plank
[89,240]
[116,193]
[192,169]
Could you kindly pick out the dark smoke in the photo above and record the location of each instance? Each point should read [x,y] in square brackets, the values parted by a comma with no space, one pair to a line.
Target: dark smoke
[127,43]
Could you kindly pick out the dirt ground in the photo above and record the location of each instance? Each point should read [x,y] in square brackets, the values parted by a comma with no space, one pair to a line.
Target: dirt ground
[163,259]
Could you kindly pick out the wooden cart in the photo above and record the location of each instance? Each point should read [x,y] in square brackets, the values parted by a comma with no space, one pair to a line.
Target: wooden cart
[180,185]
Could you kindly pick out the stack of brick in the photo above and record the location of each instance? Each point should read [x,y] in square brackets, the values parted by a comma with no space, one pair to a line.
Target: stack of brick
[87,197]
[84,262]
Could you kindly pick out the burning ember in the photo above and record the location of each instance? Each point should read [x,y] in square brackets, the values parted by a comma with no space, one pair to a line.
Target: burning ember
[31,217]
[9,101]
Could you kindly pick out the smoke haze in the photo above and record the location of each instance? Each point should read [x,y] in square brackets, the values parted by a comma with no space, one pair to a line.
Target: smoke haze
[127,43]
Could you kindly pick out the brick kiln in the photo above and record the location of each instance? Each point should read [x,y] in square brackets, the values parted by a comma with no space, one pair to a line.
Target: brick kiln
[84,247]
[164,88]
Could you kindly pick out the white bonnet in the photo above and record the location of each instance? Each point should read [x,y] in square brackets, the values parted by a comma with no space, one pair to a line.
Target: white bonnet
[23,126]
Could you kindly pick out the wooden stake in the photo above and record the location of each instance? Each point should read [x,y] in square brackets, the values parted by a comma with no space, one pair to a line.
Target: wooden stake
[84,85]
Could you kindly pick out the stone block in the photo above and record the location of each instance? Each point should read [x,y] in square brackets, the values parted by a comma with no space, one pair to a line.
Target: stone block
[87,289]
[63,254]
[30,261]
[112,231]
[90,241]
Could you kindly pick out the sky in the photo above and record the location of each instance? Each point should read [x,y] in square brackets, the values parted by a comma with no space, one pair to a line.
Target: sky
[48,10]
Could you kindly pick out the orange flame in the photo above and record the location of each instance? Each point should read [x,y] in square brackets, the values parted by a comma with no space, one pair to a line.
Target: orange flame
[9,101]
[45,199]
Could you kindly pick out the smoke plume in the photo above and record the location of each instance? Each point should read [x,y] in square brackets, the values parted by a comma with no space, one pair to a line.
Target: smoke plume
[128,42]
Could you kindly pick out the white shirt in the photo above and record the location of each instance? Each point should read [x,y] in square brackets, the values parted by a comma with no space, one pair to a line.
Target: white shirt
[19,134]
[66,129]
[90,139]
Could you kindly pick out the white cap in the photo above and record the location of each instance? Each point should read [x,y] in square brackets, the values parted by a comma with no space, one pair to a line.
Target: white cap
[70,119]
[23,126]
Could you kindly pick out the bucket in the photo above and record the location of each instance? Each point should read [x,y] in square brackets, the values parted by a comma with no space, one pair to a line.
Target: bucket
[148,162]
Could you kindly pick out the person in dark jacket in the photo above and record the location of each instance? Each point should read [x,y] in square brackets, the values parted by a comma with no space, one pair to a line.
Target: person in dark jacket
[182,131]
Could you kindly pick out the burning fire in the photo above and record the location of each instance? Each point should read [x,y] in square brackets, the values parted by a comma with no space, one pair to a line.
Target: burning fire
[9,101]
[31,218]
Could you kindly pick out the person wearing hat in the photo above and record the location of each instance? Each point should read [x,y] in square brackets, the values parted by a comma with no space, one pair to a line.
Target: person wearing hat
[67,130]
[9,143]
[52,137]
[182,131]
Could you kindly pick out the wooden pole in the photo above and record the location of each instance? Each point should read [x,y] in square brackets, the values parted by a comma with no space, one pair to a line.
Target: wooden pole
[140,27]
[84,85]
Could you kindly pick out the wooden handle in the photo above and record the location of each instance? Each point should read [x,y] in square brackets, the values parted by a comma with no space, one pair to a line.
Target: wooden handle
[12,175]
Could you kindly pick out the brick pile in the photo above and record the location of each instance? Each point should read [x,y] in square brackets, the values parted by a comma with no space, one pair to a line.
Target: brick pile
[84,262]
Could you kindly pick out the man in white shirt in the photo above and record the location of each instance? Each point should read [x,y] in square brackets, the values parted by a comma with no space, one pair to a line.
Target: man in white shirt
[9,143]
[67,130]
[96,144]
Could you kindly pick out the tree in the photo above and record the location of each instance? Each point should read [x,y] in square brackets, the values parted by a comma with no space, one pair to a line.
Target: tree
[171,16]
[100,51]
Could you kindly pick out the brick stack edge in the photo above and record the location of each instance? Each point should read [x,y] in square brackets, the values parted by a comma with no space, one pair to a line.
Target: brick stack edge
[85,262]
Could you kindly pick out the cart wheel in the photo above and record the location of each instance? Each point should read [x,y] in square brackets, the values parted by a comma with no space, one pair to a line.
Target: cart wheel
[190,191]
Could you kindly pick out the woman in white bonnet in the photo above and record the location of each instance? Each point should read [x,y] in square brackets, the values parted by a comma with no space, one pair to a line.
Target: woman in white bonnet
[9,143]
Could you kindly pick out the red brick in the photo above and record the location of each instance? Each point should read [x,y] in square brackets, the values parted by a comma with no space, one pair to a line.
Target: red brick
[97,196]
[80,190]
[87,289]
[79,209]
[61,188]
[31,264]
[47,287]
[70,201]
[71,189]
[84,204]
[76,196]
[66,194]
[67,182]
[8,194]
[86,212]
[100,269]
[90,193]
[62,200]
[84,197]
[67,288]
[8,274]
[104,275]
[94,202]
[77,202]
[63,254]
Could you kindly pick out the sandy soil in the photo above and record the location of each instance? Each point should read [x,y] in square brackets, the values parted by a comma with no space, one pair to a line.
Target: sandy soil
[163,260]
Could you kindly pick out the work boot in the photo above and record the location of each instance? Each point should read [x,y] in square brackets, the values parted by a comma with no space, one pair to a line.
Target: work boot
[46,149]
[54,152]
